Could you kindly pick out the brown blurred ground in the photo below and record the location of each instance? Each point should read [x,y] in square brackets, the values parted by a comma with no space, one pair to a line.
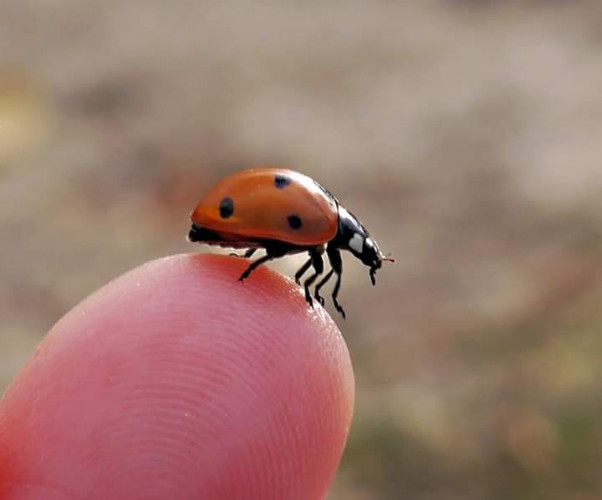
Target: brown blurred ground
[467,135]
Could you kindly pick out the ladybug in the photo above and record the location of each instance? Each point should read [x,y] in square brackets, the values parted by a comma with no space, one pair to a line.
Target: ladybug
[284,212]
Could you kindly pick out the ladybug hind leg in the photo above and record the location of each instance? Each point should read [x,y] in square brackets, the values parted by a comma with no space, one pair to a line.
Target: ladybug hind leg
[272,253]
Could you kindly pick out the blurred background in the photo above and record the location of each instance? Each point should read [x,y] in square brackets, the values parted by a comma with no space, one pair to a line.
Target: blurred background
[465,134]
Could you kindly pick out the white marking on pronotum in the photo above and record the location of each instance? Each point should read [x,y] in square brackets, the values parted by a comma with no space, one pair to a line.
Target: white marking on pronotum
[356,243]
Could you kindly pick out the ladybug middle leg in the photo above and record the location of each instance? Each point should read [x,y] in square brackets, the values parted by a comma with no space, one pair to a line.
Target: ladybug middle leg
[302,270]
[318,264]
[334,256]
[319,286]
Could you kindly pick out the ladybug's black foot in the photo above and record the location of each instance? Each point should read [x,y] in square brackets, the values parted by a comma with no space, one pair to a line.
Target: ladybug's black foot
[308,297]
[338,307]
[319,298]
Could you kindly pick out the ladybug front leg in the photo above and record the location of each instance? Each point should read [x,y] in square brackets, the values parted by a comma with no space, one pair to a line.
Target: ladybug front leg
[334,256]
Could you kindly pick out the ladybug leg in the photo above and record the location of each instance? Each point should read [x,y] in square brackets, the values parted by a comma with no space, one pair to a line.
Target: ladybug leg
[334,255]
[245,255]
[335,292]
[318,264]
[255,264]
[271,253]
[319,286]
[302,270]
[373,276]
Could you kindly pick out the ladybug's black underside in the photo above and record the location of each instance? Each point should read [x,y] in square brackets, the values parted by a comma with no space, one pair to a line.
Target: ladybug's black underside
[203,235]
[200,234]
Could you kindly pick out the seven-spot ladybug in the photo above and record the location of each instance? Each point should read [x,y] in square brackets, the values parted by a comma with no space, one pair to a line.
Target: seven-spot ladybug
[284,212]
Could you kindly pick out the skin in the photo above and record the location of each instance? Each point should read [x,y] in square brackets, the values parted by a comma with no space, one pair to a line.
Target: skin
[177,381]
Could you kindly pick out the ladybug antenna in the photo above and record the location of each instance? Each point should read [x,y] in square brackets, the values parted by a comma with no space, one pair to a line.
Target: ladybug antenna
[387,257]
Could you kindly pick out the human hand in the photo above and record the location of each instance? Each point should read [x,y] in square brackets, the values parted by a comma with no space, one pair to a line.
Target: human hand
[177,381]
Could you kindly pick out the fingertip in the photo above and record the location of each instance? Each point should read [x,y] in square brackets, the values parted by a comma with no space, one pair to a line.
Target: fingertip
[177,374]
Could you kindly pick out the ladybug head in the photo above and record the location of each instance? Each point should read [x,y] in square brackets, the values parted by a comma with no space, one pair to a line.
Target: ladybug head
[372,257]
[354,237]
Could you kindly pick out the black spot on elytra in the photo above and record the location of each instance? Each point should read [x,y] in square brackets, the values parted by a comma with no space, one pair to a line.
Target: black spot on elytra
[281,181]
[294,221]
[226,207]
